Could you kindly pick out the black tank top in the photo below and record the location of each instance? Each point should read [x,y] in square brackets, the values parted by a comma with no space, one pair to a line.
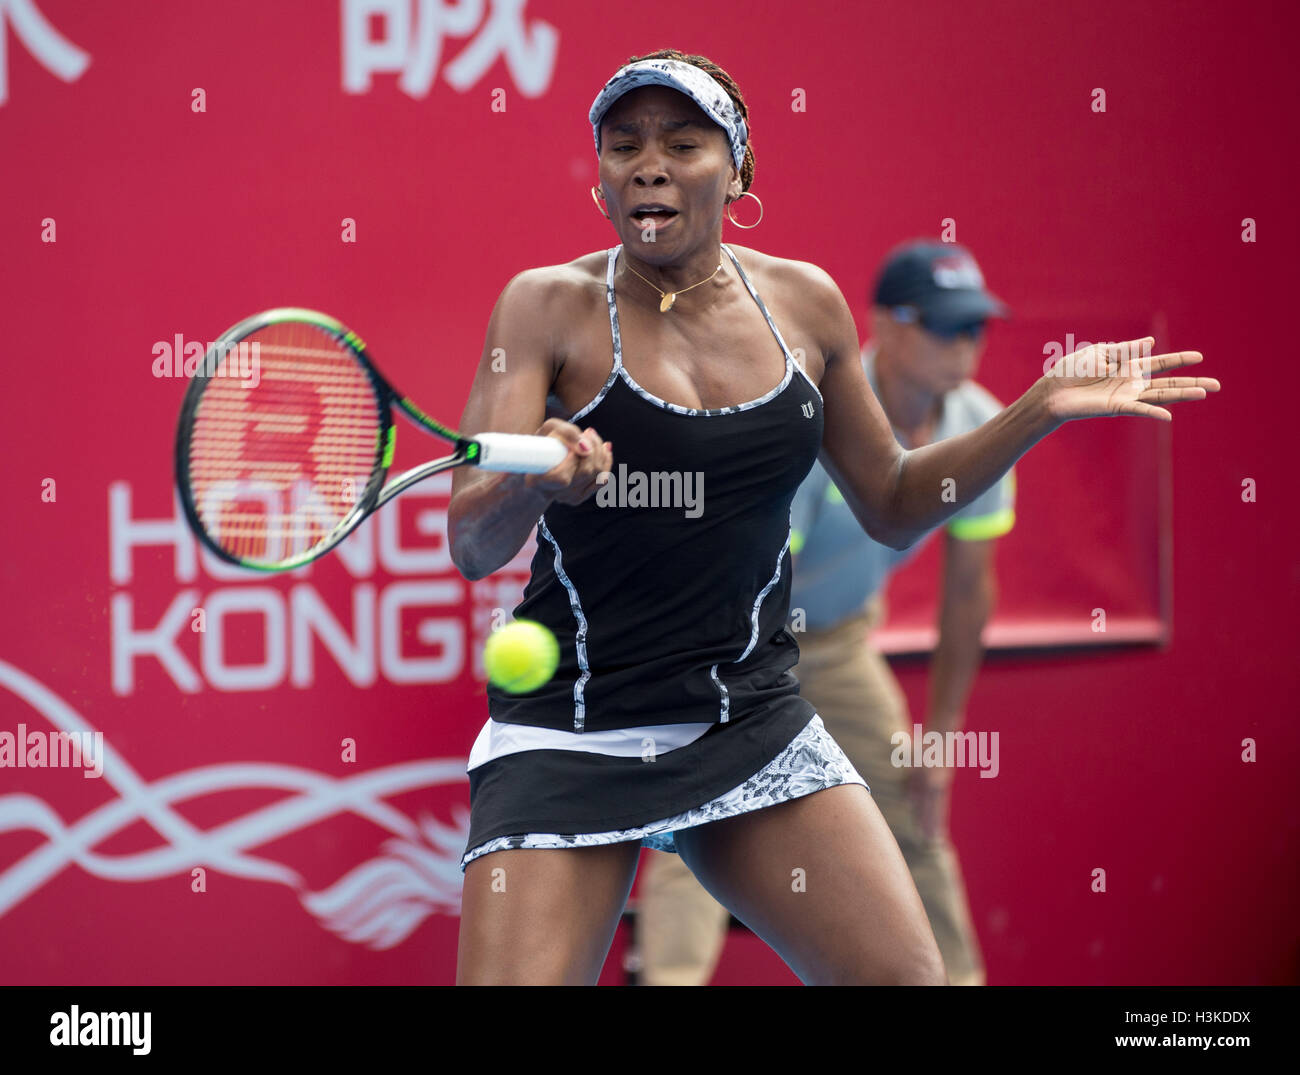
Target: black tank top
[663,618]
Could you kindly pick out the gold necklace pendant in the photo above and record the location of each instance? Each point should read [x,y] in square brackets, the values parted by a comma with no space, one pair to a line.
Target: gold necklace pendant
[667,298]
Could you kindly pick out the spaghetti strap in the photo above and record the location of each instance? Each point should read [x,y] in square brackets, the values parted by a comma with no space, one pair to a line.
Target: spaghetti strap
[790,359]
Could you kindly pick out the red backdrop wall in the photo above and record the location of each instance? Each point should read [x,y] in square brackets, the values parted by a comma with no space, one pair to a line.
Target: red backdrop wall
[462,152]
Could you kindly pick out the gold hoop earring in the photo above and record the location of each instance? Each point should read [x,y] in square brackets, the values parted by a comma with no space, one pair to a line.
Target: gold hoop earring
[746,194]
[596,197]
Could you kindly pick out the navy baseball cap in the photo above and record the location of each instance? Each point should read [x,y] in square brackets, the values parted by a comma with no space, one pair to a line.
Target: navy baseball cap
[942,280]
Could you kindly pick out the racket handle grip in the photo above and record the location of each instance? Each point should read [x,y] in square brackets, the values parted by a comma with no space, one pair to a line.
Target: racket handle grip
[519,453]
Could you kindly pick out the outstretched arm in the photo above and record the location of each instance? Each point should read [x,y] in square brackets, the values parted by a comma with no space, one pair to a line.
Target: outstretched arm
[898,495]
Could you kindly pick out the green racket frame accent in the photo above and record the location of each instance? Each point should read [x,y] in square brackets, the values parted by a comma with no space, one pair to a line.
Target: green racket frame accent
[387,398]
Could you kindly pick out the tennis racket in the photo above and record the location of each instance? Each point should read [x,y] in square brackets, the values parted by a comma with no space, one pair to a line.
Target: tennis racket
[286,435]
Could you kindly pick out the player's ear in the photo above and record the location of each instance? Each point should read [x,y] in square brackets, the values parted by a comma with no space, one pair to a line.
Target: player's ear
[735,187]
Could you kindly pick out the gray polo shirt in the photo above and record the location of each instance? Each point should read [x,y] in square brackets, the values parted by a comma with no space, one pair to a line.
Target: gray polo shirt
[838,567]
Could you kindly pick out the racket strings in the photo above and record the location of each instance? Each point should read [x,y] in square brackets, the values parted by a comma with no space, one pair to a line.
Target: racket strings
[284,442]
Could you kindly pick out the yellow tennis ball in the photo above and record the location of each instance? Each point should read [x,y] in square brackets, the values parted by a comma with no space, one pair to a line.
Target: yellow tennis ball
[521,656]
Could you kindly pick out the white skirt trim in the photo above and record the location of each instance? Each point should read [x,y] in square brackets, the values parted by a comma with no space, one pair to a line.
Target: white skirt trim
[811,762]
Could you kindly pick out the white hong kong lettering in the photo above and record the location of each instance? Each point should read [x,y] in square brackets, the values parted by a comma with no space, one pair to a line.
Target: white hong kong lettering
[447,632]
[126,534]
[256,636]
[310,618]
[129,643]
[259,600]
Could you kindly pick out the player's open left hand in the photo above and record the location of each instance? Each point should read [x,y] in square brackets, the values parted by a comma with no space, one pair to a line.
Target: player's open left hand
[1117,378]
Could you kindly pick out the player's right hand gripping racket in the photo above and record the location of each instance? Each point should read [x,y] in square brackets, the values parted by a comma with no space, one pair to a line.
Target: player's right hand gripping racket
[286,435]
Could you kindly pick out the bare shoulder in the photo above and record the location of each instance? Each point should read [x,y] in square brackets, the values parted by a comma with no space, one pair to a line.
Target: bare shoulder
[803,287]
[552,294]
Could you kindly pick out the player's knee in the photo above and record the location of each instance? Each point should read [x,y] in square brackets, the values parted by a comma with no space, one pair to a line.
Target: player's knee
[917,966]
[917,971]
[523,964]
[498,974]
[928,971]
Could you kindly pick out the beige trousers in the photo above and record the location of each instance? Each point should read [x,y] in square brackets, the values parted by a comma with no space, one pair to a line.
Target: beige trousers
[680,928]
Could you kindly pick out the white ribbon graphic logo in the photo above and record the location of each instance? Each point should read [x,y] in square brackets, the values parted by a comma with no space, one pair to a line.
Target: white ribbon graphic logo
[379,903]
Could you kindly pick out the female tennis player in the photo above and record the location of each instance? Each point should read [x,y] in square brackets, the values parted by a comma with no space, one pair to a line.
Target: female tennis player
[673,720]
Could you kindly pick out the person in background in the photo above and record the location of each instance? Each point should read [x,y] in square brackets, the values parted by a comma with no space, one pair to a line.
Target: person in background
[928,317]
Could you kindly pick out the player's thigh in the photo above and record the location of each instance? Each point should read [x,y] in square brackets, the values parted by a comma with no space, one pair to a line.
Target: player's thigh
[820,879]
[542,916]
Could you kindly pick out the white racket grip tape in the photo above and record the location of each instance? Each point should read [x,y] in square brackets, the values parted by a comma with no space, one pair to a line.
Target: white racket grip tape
[519,453]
